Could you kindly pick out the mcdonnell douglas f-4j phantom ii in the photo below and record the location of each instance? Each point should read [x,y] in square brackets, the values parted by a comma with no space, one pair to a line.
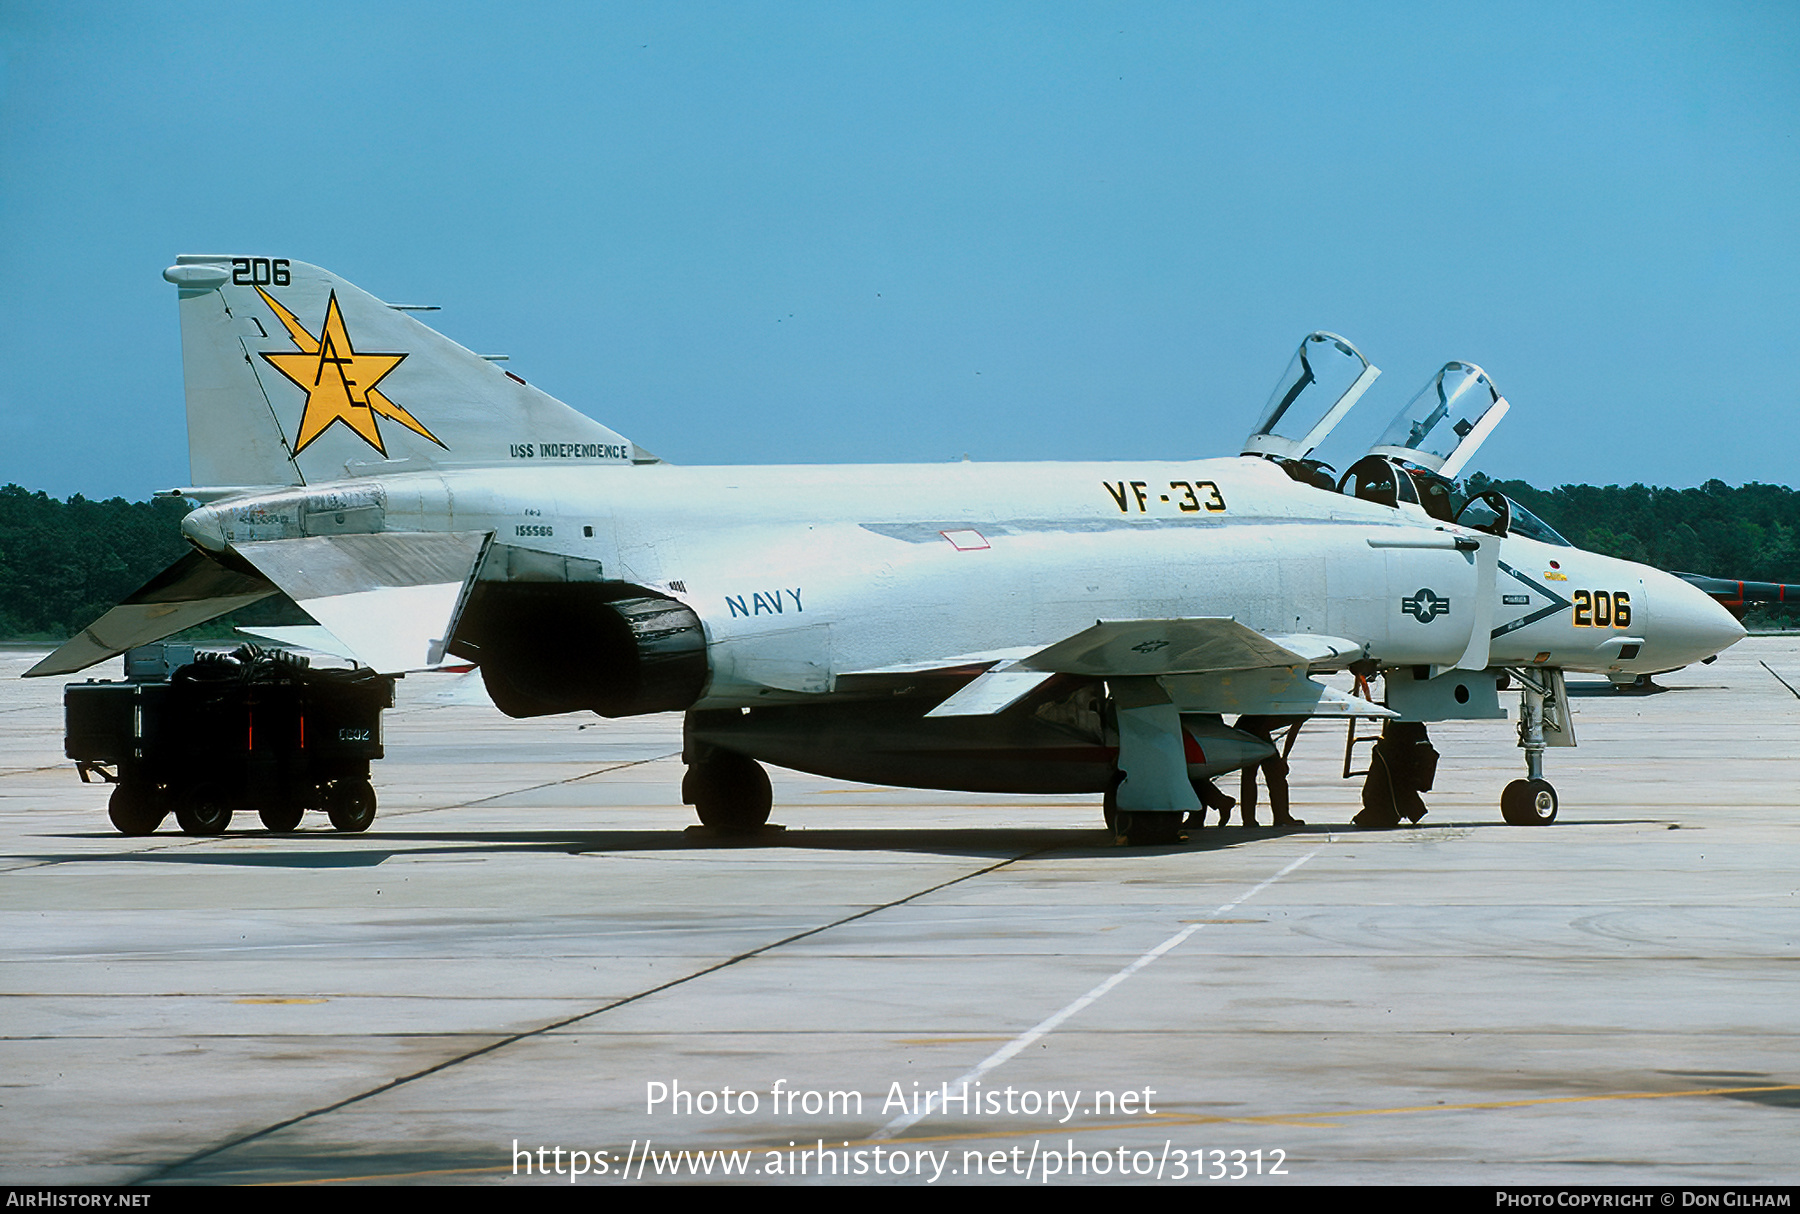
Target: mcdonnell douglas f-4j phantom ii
[1030,628]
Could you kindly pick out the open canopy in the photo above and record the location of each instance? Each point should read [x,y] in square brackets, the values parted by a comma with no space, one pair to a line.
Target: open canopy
[1449,418]
[1324,379]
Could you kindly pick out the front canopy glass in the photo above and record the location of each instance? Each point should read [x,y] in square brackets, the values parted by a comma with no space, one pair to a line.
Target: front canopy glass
[1441,427]
[1498,514]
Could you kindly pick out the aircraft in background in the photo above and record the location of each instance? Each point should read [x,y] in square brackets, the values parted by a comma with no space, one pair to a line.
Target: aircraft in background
[1031,628]
[1737,596]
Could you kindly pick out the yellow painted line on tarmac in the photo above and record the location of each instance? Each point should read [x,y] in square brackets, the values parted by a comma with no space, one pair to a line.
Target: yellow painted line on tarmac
[377,1177]
[1321,1119]
[1310,1121]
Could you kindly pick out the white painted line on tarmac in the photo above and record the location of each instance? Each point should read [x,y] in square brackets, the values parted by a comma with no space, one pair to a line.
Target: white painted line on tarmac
[1050,1024]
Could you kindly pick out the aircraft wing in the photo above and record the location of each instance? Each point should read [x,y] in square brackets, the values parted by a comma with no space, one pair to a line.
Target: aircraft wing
[1202,645]
[1136,649]
[193,590]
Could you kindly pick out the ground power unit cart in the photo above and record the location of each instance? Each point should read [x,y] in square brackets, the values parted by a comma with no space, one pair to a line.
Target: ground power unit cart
[208,735]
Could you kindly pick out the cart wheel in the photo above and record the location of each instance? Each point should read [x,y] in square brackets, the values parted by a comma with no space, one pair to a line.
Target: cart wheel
[351,804]
[203,810]
[282,817]
[136,808]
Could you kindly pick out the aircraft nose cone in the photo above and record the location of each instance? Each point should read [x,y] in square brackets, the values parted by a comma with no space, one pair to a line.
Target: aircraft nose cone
[1686,624]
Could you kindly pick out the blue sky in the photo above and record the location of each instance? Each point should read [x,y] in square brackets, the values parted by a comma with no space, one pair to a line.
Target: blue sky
[849,232]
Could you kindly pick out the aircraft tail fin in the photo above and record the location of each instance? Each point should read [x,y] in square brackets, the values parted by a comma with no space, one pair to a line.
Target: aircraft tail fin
[296,376]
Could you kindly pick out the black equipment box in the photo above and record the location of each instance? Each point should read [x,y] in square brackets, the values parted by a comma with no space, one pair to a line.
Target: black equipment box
[229,732]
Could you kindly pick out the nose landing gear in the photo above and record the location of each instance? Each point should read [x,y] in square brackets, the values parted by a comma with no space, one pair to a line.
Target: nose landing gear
[1528,803]
[1544,720]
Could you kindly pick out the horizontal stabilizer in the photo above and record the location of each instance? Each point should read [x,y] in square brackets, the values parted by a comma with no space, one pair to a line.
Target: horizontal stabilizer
[391,598]
[193,590]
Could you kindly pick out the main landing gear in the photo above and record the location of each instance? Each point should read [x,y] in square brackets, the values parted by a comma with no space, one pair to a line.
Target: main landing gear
[1152,793]
[1140,828]
[729,791]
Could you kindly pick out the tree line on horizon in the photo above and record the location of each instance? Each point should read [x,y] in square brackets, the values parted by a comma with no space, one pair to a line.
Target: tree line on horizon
[64,563]
[1747,532]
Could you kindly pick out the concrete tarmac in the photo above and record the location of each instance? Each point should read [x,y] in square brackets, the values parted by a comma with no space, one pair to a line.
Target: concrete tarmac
[531,946]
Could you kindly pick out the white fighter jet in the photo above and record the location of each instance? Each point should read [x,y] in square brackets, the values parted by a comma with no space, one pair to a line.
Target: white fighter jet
[1032,628]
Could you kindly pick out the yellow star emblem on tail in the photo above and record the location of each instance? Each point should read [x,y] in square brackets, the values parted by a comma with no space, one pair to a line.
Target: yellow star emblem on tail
[339,380]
